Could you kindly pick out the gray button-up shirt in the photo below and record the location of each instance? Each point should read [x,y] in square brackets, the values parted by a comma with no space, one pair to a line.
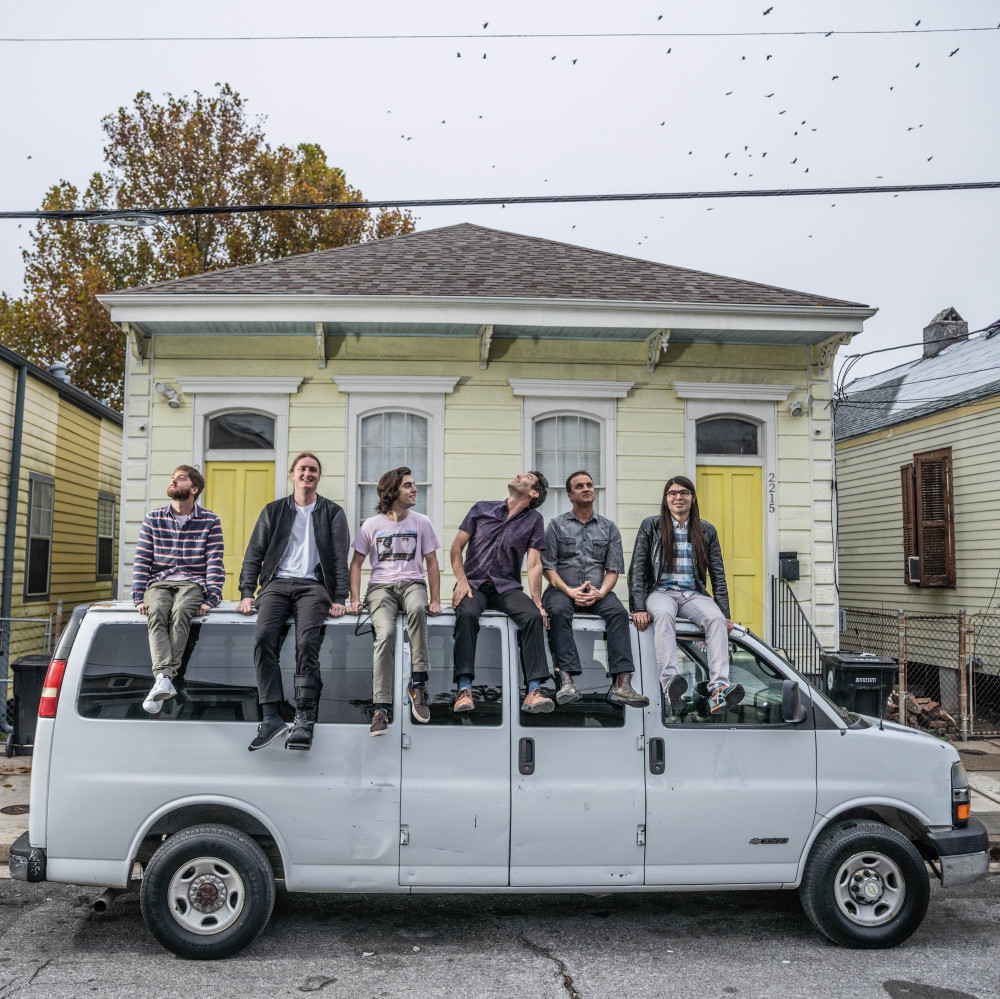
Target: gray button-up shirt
[580,551]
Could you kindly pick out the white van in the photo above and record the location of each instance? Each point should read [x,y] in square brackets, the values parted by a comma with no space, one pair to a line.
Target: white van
[785,790]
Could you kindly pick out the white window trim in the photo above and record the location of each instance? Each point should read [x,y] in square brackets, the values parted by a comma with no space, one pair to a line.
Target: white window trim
[215,395]
[732,391]
[422,395]
[544,397]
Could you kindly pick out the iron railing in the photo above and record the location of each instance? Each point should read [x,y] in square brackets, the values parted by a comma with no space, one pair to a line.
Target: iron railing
[793,633]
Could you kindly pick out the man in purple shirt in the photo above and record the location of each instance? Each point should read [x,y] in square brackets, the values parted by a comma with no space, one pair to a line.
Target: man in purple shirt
[498,535]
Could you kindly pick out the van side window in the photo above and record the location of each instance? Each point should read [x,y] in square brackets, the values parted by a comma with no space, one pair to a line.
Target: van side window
[592,710]
[487,687]
[217,681]
[761,706]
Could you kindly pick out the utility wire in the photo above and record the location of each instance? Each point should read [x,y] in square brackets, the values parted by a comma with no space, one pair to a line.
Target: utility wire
[498,35]
[110,215]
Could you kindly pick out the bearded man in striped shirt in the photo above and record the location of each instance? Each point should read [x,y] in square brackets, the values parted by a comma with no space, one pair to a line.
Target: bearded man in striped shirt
[177,575]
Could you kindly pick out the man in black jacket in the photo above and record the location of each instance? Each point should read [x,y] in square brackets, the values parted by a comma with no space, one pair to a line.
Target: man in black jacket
[672,555]
[298,554]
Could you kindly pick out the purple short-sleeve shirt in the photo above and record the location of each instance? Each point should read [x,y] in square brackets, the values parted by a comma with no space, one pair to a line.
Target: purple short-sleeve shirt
[499,543]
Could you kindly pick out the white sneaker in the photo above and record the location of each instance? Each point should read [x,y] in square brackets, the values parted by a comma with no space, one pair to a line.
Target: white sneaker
[162,689]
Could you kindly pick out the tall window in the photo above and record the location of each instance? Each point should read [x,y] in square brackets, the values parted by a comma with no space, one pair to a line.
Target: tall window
[928,519]
[105,536]
[389,440]
[41,497]
[564,444]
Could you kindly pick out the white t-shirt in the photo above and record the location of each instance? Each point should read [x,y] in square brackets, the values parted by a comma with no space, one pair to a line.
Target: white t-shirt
[301,555]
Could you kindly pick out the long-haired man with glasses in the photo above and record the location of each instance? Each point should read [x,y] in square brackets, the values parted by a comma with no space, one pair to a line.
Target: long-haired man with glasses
[674,553]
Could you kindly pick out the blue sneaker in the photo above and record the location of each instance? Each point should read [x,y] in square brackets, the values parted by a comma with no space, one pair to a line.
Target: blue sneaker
[725,696]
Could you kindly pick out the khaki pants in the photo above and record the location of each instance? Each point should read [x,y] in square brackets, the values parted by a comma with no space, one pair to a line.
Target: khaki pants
[384,601]
[170,606]
[665,606]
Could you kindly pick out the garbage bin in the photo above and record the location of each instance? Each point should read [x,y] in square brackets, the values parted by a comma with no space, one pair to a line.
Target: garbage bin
[859,681]
[29,678]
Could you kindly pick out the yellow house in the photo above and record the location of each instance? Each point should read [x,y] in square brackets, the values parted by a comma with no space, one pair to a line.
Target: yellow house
[60,481]
[471,354]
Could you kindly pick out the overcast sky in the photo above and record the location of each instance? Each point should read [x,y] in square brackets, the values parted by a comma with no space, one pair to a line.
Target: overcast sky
[412,118]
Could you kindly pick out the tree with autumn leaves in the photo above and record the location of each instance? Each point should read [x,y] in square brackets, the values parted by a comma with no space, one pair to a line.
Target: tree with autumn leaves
[185,151]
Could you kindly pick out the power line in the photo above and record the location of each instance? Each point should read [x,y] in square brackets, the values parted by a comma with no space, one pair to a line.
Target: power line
[495,36]
[111,215]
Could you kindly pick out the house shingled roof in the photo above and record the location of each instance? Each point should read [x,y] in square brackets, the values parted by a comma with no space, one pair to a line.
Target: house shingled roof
[466,260]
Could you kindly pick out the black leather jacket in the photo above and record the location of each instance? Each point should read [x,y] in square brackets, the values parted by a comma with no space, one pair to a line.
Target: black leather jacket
[646,567]
[270,538]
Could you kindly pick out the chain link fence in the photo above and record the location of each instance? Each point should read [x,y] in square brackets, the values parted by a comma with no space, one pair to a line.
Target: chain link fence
[949,666]
[19,636]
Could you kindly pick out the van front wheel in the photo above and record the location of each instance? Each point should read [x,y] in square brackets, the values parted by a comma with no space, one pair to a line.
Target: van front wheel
[865,885]
[207,892]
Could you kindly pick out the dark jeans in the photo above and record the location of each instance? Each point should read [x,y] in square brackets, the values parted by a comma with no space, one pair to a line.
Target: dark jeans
[308,603]
[565,655]
[521,609]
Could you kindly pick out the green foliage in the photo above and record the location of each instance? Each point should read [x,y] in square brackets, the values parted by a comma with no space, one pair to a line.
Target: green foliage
[195,151]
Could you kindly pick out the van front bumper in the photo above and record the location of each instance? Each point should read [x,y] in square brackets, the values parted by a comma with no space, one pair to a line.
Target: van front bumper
[964,853]
[27,862]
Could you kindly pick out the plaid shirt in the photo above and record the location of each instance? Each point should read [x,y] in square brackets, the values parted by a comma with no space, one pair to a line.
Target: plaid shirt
[682,578]
[193,550]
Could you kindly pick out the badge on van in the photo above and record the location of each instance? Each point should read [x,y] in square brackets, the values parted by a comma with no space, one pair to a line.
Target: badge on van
[768,840]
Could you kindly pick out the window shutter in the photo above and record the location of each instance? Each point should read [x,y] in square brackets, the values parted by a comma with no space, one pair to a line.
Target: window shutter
[935,517]
[906,481]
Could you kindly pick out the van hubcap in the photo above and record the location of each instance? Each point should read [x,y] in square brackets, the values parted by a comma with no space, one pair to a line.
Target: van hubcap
[869,889]
[205,895]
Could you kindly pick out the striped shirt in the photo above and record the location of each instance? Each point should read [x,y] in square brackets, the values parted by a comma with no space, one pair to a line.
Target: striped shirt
[193,550]
[682,576]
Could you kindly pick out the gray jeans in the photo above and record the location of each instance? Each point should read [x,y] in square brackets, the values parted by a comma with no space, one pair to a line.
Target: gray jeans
[384,601]
[665,606]
[170,606]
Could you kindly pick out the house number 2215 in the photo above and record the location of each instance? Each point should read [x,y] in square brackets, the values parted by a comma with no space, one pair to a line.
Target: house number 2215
[771,491]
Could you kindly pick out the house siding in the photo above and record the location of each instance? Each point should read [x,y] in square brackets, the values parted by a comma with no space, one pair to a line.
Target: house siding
[483,425]
[871,518]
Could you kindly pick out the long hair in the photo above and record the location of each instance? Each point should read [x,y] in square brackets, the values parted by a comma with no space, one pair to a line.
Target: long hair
[388,488]
[696,534]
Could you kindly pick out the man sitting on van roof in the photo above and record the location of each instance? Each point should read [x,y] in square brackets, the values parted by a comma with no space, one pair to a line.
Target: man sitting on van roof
[298,554]
[177,574]
[499,534]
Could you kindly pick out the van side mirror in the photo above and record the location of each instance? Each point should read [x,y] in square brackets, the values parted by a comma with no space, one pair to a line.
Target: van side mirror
[792,708]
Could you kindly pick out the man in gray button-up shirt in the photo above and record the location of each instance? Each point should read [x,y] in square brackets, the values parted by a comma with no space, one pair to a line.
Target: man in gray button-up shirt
[582,561]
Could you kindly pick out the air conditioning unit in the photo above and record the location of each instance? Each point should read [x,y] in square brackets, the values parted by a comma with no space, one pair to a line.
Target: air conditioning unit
[913,569]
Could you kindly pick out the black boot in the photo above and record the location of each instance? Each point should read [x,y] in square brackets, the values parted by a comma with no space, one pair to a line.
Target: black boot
[306,699]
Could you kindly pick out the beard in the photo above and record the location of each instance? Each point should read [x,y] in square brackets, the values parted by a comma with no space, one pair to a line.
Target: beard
[179,492]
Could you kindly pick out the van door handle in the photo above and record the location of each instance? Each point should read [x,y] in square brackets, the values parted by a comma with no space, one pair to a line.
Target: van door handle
[526,756]
[657,756]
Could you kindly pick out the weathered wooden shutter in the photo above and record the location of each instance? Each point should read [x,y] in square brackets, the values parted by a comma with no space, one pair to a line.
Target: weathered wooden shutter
[935,525]
[908,491]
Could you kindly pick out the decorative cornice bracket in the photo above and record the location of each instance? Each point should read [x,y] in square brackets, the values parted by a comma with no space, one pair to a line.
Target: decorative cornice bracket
[485,340]
[656,345]
[822,355]
[135,339]
[321,345]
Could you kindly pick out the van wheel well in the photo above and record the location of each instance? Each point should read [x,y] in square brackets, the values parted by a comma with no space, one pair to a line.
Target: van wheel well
[193,815]
[903,822]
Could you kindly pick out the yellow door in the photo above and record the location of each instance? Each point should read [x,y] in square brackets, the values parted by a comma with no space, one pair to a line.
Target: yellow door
[237,491]
[729,496]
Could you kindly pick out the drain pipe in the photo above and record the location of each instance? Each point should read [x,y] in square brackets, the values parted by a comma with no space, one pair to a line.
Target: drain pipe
[10,537]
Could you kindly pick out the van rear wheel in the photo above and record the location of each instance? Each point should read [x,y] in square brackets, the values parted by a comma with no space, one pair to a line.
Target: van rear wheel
[865,885]
[207,892]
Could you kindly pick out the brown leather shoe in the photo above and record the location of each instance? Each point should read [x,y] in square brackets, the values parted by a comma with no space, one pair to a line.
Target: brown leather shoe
[419,706]
[568,691]
[626,694]
[464,701]
[536,703]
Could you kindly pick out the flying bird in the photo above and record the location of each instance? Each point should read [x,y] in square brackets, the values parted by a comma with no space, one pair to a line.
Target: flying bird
[917,66]
[916,24]
[574,62]
[953,51]
[726,157]
[458,55]
[782,112]
[767,58]
[768,11]
[484,55]
[769,95]
[835,78]
[552,58]
[668,52]
[827,35]
[486,24]
[662,123]
[660,18]
[728,92]
[796,160]
[806,170]
[929,158]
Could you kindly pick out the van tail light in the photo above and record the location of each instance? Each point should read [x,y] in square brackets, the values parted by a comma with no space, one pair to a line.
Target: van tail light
[961,797]
[51,688]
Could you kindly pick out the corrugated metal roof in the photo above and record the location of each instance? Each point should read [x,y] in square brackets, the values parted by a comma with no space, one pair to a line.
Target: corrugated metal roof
[472,261]
[960,374]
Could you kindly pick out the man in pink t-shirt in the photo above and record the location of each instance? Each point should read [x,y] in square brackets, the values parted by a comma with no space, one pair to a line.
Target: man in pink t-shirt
[397,542]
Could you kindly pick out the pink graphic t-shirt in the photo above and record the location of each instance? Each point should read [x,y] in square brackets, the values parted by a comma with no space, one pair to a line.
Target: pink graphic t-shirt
[396,549]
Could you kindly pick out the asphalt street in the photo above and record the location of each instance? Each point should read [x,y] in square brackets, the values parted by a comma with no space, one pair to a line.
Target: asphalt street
[752,944]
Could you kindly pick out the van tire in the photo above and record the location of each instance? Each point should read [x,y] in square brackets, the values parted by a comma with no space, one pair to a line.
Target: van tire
[852,862]
[227,877]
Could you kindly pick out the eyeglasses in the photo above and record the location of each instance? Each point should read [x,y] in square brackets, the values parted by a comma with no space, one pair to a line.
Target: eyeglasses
[683,493]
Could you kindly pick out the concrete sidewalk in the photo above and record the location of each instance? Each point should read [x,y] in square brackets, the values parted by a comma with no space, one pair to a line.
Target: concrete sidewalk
[15,781]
